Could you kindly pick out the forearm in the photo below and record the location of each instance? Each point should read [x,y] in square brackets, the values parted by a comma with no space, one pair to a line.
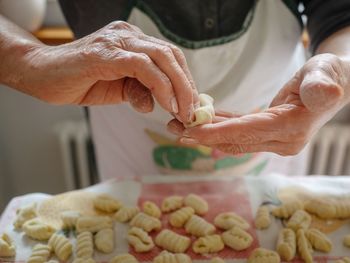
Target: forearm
[15,43]
[337,44]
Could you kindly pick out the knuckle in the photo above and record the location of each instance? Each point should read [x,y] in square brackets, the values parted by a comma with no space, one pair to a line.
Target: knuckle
[119,25]
[164,51]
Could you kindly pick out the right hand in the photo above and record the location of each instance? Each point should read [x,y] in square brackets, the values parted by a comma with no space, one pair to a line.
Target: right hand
[115,64]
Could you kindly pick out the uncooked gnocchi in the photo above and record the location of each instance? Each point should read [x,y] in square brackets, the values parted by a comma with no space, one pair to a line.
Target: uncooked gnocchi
[166,257]
[199,205]
[172,241]
[237,238]
[146,222]
[304,247]
[318,240]
[286,244]
[300,219]
[140,240]
[93,224]
[205,113]
[262,219]
[208,244]
[84,260]
[7,247]
[85,245]
[172,203]
[104,240]
[40,254]
[106,203]
[346,241]
[69,219]
[180,217]
[61,246]
[323,208]
[287,209]
[24,214]
[199,227]
[228,220]
[126,213]
[37,229]
[124,258]
[262,255]
[151,209]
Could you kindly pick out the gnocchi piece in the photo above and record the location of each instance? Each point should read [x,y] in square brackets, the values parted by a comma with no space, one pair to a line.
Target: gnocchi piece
[61,246]
[85,245]
[140,240]
[37,229]
[166,257]
[104,240]
[262,255]
[199,205]
[205,113]
[286,244]
[262,219]
[106,203]
[300,219]
[52,261]
[172,203]
[208,244]
[93,224]
[124,258]
[237,238]
[323,208]
[151,209]
[343,260]
[172,241]
[217,260]
[126,213]
[84,260]
[69,219]
[346,241]
[230,219]
[287,209]
[146,222]
[24,214]
[40,254]
[199,227]
[7,247]
[318,240]
[181,216]
[304,247]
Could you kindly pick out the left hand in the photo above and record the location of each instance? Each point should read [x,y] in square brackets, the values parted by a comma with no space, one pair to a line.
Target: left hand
[311,98]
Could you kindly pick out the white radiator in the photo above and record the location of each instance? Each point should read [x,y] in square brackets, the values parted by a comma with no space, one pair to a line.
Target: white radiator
[329,153]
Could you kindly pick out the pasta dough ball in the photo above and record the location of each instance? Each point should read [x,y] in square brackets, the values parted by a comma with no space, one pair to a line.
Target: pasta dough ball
[199,205]
[166,257]
[104,240]
[146,222]
[151,209]
[199,227]
[287,209]
[206,112]
[208,244]
[286,244]
[172,241]
[40,254]
[124,258]
[181,216]
[318,240]
[228,220]
[140,240]
[300,219]
[237,238]
[69,219]
[262,219]
[106,203]
[262,255]
[7,247]
[24,214]
[93,224]
[61,246]
[172,203]
[126,213]
[36,229]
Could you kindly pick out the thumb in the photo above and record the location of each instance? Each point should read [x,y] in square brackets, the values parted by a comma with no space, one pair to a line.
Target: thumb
[138,95]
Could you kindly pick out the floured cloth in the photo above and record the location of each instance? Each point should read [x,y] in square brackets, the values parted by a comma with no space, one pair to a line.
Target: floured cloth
[242,195]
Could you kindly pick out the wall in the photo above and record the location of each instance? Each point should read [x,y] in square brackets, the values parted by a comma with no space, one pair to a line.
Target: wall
[29,153]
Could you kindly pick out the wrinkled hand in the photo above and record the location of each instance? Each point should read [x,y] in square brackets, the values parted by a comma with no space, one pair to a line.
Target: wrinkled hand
[115,64]
[311,98]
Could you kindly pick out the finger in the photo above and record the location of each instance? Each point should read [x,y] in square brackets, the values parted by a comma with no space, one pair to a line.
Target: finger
[141,67]
[176,127]
[291,87]
[227,114]
[138,96]
[164,58]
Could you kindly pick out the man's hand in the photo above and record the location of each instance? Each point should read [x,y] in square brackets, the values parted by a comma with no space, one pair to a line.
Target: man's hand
[304,104]
[115,64]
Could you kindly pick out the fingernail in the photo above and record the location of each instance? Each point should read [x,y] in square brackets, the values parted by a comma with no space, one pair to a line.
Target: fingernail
[174,106]
[189,140]
[190,114]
